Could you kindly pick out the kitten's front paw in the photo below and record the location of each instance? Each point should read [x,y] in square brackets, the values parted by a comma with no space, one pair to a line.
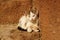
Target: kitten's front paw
[37,30]
[29,30]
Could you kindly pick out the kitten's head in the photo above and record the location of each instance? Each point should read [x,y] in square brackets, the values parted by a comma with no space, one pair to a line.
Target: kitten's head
[33,15]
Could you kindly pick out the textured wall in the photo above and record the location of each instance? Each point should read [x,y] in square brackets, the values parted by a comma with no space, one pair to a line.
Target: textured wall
[49,18]
[11,10]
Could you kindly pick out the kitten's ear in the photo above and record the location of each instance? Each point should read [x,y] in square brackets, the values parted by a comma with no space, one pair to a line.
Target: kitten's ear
[38,15]
[26,13]
[37,12]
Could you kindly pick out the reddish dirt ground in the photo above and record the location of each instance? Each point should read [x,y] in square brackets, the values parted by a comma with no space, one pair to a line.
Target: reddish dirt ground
[12,10]
[49,19]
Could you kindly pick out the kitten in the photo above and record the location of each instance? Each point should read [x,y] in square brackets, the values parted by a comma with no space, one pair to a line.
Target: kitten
[29,22]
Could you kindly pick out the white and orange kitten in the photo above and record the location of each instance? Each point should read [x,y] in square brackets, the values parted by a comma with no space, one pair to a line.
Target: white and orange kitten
[29,22]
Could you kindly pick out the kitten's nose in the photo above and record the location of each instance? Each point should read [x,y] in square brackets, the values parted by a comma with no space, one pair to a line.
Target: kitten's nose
[39,30]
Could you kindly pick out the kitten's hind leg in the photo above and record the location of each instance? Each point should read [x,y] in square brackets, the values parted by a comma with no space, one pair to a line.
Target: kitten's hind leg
[29,29]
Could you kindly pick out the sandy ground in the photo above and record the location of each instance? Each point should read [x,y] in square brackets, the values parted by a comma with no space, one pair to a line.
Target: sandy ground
[10,32]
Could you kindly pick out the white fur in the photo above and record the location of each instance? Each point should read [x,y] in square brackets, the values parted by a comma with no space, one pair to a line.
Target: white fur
[25,22]
[32,16]
[22,22]
[31,26]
